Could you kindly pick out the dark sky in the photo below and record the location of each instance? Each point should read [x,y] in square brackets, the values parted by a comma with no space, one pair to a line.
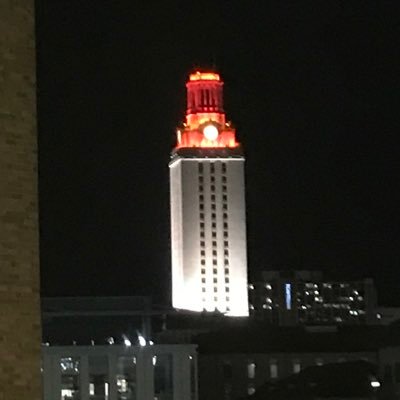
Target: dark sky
[313,88]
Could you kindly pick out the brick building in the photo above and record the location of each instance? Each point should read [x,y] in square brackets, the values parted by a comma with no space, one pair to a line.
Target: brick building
[19,266]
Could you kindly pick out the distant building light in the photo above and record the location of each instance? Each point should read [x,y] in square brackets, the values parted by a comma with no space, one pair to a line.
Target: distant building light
[268,286]
[154,360]
[375,384]
[288,295]
[110,340]
[127,342]
[251,287]
[141,340]
[378,316]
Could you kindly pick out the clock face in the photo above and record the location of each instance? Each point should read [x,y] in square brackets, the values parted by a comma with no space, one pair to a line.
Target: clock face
[210,132]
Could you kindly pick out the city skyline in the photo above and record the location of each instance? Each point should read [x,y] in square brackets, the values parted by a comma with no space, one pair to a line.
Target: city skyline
[313,98]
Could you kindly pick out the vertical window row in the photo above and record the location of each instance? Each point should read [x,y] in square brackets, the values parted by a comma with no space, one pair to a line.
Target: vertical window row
[213,207]
[202,230]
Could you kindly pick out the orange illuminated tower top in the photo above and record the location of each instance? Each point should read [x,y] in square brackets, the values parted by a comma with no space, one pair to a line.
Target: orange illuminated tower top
[205,125]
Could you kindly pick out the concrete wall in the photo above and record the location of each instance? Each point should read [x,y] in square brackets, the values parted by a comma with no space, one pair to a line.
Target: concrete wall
[19,266]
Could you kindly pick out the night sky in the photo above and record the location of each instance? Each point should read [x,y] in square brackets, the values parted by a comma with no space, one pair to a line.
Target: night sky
[312,87]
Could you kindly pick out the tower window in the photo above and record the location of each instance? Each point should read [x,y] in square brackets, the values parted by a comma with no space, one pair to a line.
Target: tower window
[201,179]
[215,280]
[224,206]
[226,280]
[215,289]
[215,298]
[212,168]
[225,234]
[213,197]
[215,271]
[212,178]
[225,225]
[226,244]
[227,299]
[225,216]
[214,261]
[226,253]
[203,271]
[224,188]
[201,197]
[226,271]
[201,215]
[202,244]
[213,206]
[212,188]
[200,188]
[226,261]
[213,225]
[224,179]
[203,262]
[213,216]
[227,289]
[202,234]
[224,197]
[200,166]
[214,253]
[223,168]
[214,234]
[203,289]
[201,205]
[202,253]
[201,225]
[203,280]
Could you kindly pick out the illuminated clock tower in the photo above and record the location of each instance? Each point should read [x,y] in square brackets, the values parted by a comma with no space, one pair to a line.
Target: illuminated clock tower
[208,215]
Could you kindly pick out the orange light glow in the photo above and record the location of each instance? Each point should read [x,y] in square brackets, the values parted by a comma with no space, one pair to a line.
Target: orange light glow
[204,76]
[205,107]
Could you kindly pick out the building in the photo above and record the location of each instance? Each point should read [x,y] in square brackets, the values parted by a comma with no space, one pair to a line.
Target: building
[208,215]
[163,372]
[234,363]
[19,255]
[310,298]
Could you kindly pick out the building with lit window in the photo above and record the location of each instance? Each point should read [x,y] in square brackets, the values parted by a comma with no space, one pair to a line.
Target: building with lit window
[308,297]
[208,215]
[163,372]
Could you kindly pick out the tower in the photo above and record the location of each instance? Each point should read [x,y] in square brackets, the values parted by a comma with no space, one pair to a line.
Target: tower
[208,216]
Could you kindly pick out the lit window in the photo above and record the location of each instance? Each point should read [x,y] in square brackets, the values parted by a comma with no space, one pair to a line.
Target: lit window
[273,369]
[296,366]
[319,361]
[251,370]
[251,390]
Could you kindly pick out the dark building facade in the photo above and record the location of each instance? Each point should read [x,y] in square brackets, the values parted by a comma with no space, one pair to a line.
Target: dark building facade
[310,298]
